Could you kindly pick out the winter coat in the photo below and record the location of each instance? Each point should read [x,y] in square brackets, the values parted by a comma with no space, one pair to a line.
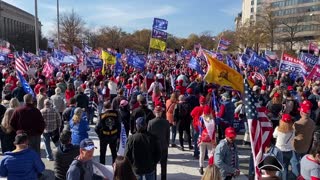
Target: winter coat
[21,165]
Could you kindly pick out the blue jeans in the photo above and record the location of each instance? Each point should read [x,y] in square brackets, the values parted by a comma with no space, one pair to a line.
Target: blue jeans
[47,140]
[149,176]
[173,134]
[295,163]
[195,144]
[287,156]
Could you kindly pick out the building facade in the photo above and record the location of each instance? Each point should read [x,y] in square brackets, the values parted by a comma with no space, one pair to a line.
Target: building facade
[14,21]
[301,17]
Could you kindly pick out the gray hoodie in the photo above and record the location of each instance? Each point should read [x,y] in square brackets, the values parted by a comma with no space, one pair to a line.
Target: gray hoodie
[74,170]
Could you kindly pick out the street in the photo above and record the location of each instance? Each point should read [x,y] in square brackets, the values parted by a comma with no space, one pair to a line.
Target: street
[181,164]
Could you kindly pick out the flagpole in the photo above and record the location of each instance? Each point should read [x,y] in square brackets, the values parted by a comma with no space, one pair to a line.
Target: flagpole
[218,44]
[58,24]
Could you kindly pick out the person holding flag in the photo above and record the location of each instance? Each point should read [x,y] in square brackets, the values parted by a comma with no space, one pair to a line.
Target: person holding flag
[207,140]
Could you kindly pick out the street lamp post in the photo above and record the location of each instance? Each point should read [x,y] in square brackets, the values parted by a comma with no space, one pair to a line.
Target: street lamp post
[36,32]
[58,24]
[1,25]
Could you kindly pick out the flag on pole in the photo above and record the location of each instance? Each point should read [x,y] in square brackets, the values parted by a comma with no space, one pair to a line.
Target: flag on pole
[123,141]
[215,104]
[260,127]
[161,24]
[108,58]
[21,66]
[224,44]
[47,70]
[222,74]
[157,44]
[26,87]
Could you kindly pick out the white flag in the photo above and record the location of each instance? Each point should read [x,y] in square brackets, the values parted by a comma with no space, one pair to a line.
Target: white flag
[123,141]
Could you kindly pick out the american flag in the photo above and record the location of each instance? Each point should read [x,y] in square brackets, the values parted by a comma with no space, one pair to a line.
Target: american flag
[260,77]
[21,66]
[260,127]
[48,70]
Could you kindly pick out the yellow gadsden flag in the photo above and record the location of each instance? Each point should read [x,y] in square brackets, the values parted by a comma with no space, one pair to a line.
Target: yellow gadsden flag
[222,74]
[157,44]
[107,58]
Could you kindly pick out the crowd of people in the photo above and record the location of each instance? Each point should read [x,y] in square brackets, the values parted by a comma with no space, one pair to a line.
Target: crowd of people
[152,105]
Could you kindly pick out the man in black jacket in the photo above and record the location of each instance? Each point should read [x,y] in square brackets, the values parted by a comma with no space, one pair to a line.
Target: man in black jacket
[66,115]
[141,111]
[143,151]
[82,99]
[108,130]
[18,92]
[64,155]
[160,128]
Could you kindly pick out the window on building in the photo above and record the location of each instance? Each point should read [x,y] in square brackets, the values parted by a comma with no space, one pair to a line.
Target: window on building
[252,10]
[252,2]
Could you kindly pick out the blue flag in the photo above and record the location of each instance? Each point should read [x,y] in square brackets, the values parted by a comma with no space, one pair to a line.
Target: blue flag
[249,52]
[259,61]
[94,62]
[161,24]
[309,60]
[194,64]
[118,68]
[231,64]
[26,87]
[134,60]
[215,104]
[159,34]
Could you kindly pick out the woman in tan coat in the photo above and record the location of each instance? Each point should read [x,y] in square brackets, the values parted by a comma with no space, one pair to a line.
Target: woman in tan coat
[170,106]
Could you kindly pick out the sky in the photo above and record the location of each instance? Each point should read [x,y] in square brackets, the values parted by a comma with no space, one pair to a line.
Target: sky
[184,16]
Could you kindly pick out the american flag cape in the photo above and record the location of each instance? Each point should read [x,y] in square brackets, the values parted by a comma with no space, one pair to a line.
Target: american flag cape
[21,66]
[260,127]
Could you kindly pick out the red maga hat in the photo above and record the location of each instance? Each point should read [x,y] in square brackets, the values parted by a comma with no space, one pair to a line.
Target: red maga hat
[286,118]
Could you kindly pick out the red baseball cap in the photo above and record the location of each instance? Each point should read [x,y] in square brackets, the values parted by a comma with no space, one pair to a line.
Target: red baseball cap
[230,132]
[264,87]
[286,118]
[210,90]
[276,94]
[202,99]
[189,90]
[206,110]
[305,109]
[289,88]
[277,82]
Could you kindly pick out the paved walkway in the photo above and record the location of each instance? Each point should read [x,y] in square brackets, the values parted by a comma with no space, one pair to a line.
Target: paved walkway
[181,164]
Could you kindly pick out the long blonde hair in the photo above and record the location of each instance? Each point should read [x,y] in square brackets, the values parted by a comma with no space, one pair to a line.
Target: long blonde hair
[285,127]
[6,120]
[77,115]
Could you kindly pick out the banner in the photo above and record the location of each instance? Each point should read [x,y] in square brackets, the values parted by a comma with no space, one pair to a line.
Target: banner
[313,46]
[258,61]
[270,55]
[194,64]
[118,69]
[159,34]
[309,60]
[157,44]
[123,141]
[315,73]
[291,64]
[93,62]
[161,24]
[108,58]
[134,60]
